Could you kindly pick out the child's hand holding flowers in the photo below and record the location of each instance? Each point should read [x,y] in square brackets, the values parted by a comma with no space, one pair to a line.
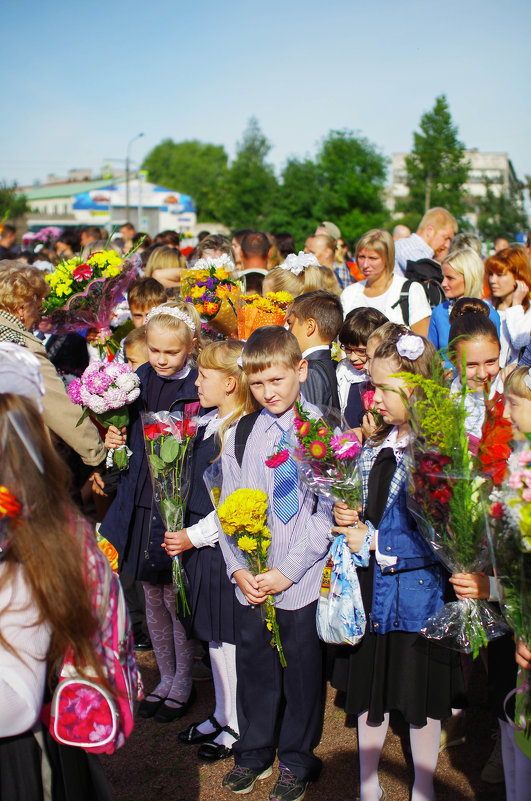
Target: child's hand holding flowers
[273,581]
[349,524]
[175,542]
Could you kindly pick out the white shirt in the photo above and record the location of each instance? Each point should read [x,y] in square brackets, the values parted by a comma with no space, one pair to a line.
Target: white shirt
[410,248]
[347,375]
[515,332]
[353,297]
[22,675]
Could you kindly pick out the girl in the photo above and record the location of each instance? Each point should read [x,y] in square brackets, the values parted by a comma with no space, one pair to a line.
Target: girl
[45,605]
[474,351]
[221,384]
[509,276]
[133,524]
[463,273]
[393,667]
[352,378]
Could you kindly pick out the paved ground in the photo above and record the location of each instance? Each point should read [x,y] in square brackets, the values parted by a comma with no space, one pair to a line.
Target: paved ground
[155,766]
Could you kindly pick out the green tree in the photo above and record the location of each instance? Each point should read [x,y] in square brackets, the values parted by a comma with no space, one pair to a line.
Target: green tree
[294,201]
[194,168]
[250,186]
[503,214]
[12,203]
[436,168]
[351,176]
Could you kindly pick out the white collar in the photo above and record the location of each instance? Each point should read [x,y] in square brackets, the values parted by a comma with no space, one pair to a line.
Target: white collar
[350,374]
[314,348]
[391,442]
[182,373]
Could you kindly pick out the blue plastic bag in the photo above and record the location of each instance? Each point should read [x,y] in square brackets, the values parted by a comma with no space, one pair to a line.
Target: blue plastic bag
[340,614]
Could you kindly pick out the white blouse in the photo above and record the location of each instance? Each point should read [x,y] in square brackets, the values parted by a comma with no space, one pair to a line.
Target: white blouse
[353,297]
[23,674]
[515,332]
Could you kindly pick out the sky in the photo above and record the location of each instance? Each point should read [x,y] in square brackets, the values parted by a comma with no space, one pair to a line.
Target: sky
[81,80]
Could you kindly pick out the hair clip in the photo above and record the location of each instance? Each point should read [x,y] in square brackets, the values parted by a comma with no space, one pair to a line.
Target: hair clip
[172,311]
[297,264]
[410,346]
[239,362]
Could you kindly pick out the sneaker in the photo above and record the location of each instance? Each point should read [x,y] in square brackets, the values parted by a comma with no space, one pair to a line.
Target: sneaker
[492,773]
[242,780]
[453,732]
[288,787]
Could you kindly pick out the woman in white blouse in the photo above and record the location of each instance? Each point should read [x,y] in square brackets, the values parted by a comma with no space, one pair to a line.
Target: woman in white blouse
[509,277]
[375,257]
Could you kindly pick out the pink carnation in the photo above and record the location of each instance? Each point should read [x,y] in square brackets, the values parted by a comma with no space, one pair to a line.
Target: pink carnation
[277,458]
[526,494]
[524,457]
[516,478]
[74,391]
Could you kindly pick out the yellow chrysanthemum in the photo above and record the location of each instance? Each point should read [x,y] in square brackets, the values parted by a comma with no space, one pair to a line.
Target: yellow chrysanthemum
[247,544]
[282,298]
[221,274]
[222,291]
[111,272]
[63,289]
[244,510]
[196,292]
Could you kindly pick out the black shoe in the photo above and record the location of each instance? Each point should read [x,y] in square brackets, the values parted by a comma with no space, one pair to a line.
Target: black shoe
[148,708]
[288,787]
[212,751]
[143,644]
[242,780]
[192,736]
[165,713]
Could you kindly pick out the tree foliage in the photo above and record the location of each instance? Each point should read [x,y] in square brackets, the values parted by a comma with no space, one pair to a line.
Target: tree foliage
[436,168]
[12,204]
[503,214]
[193,168]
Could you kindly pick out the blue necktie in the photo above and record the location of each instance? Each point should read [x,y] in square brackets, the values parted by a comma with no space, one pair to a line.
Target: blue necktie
[285,501]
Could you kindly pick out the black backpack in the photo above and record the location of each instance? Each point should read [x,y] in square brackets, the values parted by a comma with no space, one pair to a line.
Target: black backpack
[428,273]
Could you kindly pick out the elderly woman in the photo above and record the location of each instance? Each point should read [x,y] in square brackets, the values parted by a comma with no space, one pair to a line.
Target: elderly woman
[381,289]
[22,289]
[463,273]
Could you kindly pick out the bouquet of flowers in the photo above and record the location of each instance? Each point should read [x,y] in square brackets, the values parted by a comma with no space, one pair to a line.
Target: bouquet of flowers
[368,404]
[326,458]
[211,287]
[45,237]
[108,549]
[449,486]
[168,441]
[510,529]
[105,391]
[83,293]
[243,516]
[255,311]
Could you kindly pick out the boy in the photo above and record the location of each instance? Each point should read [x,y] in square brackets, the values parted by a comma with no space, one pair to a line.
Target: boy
[275,368]
[315,319]
[143,295]
[135,348]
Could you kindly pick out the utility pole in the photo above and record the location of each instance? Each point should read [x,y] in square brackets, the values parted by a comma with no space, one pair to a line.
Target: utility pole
[127,158]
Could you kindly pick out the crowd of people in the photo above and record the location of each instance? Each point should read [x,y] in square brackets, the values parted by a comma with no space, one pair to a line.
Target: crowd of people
[354,323]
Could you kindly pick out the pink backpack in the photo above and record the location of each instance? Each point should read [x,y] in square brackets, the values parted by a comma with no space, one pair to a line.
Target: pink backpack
[83,713]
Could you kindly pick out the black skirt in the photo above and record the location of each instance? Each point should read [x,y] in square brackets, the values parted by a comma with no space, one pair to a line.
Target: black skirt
[75,775]
[211,596]
[133,562]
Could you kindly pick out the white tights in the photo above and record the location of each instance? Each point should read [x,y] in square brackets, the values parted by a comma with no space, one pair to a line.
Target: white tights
[173,651]
[223,662]
[424,749]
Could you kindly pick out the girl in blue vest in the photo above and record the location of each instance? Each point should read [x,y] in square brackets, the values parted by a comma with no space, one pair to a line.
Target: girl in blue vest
[394,667]
[133,524]
[222,387]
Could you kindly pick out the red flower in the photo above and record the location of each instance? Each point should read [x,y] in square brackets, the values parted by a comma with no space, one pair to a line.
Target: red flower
[368,399]
[82,271]
[443,495]
[277,458]
[496,511]
[154,430]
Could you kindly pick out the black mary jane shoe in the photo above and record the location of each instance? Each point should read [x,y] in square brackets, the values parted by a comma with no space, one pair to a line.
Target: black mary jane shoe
[165,713]
[211,751]
[147,708]
[191,735]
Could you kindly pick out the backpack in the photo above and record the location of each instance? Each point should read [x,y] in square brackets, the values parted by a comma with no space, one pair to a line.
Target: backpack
[83,713]
[428,274]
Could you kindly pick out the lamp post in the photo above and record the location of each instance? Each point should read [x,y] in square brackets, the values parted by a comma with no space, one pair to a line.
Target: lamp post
[127,175]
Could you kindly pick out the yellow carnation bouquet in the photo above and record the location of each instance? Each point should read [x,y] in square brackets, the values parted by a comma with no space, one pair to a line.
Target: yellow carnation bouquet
[243,516]
[255,311]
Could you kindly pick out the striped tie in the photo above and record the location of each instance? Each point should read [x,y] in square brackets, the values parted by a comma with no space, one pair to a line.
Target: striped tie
[285,501]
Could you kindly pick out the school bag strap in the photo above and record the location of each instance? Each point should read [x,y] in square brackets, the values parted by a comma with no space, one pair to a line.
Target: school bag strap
[243,429]
[403,301]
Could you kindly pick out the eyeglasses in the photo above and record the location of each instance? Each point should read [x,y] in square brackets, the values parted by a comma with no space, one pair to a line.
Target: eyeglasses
[361,352]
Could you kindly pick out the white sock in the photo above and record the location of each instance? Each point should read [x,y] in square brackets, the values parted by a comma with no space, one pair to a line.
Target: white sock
[371,739]
[425,742]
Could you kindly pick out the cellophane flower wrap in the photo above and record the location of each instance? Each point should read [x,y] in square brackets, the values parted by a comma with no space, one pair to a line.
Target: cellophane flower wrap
[168,438]
[243,517]
[510,529]
[255,311]
[326,457]
[213,289]
[84,292]
[449,486]
[105,391]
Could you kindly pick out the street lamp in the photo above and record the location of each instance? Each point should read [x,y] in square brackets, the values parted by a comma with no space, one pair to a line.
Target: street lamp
[127,175]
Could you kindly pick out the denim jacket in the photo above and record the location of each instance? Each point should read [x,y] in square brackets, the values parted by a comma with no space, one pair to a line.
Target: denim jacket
[409,581]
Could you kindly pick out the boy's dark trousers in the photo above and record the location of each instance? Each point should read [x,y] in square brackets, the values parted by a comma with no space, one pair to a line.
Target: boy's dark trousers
[266,691]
